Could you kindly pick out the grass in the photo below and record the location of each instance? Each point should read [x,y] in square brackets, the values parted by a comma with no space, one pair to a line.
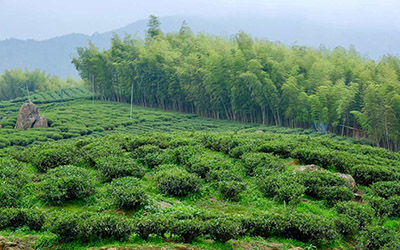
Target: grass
[83,122]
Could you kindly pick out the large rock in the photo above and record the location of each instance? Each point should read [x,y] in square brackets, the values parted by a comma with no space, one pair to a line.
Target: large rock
[29,117]
[351,183]
[41,123]
[308,168]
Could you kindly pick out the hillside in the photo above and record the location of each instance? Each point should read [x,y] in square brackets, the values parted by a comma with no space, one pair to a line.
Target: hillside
[167,179]
[54,55]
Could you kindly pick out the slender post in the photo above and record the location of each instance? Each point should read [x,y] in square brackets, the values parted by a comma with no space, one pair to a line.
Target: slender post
[61,95]
[92,89]
[131,99]
[27,90]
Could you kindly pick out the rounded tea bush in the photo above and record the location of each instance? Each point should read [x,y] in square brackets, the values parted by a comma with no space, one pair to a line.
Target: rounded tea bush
[128,192]
[177,181]
[67,183]
[117,167]
[223,229]
[49,157]
[230,190]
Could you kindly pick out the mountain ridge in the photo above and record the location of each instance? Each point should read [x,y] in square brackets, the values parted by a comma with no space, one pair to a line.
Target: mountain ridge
[54,55]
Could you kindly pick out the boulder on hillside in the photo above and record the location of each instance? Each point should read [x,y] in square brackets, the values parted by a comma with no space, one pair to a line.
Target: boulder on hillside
[29,117]
[308,168]
[41,123]
[351,183]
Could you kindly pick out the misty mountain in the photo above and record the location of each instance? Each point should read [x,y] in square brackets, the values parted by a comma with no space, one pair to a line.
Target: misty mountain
[54,55]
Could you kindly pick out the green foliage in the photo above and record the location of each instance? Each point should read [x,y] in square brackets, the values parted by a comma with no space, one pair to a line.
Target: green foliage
[49,157]
[95,226]
[66,183]
[354,216]
[325,185]
[386,189]
[151,156]
[127,192]
[152,224]
[261,163]
[367,174]
[187,229]
[88,226]
[177,182]
[17,217]
[223,229]
[231,189]
[378,237]
[283,187]
[116,167]
[15,83]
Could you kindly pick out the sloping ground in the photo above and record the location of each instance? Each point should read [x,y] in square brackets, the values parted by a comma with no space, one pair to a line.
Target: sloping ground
[83,117]
[201,189]
[170,180]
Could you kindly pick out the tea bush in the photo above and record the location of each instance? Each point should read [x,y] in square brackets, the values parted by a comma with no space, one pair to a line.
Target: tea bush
[17,217]
[48,157]
[116,167]
[283,187]
[223,229]
[127,192]
[378,237]
[259,163]
[386,189]
[354,216]
[177,182]
[231,189]
[186,229]
[66,183]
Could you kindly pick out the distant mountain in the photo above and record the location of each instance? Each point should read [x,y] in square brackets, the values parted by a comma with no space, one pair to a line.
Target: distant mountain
[54,55]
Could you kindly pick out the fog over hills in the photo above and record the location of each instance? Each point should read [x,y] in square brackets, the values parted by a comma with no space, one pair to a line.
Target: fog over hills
[54,55]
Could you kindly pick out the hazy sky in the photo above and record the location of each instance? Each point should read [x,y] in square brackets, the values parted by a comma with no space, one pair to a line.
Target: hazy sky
[41,19]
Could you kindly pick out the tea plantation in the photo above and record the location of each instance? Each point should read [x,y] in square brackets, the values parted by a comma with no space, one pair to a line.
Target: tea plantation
[101,178]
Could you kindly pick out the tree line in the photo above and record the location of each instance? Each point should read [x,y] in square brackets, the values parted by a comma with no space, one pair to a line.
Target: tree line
[16,83]
[244,79]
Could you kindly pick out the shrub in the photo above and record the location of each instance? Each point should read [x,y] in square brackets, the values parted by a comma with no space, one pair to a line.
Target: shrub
[310,227]
[290,193]
[187,229]
[177,182]
[127,192]
[64,224]
[262,163]
[66,183]
[223,175]
[100,148]
[53,155]
[98,226]
[183,154]
[13,172]
[366,174]
[335,194]
[386,189]
[354,216]
[267,224]
[152,224]
[9,194]
[230,189]
[17,217]
[116,167]
[283,187]
[152,156]
[378,237]
[223,229]
[380,205]
[317,181]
